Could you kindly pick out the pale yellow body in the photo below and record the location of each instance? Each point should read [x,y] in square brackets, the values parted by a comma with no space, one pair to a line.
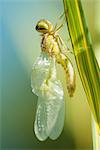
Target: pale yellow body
[51,46]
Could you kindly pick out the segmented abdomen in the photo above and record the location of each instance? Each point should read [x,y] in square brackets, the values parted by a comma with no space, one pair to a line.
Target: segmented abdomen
[70,74]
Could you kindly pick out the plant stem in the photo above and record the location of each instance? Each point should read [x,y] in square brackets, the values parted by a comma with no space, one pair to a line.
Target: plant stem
[85,59]
[96,136]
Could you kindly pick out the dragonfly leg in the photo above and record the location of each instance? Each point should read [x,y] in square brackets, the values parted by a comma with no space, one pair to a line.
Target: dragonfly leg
[58,25]
[63,48]
[59,18]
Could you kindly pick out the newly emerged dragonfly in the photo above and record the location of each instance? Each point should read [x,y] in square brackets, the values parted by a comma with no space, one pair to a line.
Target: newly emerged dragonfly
[49,118]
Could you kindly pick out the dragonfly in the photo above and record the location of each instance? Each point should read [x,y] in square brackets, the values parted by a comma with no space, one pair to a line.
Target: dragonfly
[49,119]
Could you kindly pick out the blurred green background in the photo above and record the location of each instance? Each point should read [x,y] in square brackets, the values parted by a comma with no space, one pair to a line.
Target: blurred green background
[19,48]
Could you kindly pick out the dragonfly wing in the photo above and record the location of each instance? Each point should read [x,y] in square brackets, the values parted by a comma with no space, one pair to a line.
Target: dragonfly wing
[50,103]
[50,107]
[55,109]
[40,125]
[58,127]
[40,71]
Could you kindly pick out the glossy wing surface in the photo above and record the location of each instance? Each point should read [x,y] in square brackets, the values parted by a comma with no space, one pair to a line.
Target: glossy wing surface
[40,71]
[50,106]
[40,125]
[55,109]
[58,127]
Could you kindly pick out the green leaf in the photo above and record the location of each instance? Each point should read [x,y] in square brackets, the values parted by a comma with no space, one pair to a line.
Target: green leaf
[86,62]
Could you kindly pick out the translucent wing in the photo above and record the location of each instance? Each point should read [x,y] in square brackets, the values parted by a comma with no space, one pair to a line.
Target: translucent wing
[50,104]
[55,109]
[50,107]
[40,125]
[58,127]
[40,71]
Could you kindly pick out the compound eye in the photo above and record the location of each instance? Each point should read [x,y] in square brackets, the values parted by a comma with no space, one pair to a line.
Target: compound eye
[42,26]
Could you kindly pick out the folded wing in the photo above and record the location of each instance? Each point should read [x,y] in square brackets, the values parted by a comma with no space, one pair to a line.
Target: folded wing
[49,118]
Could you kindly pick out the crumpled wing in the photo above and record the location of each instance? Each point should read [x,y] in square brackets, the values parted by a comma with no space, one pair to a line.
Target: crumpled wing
[56,109]
[49,118]
[58,127]
[40,71]
[50,107]
[40,125]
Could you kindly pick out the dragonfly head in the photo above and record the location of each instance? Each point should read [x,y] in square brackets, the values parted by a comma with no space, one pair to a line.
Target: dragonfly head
[44,26]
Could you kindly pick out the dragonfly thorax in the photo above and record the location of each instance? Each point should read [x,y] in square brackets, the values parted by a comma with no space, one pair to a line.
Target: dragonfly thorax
[50,45]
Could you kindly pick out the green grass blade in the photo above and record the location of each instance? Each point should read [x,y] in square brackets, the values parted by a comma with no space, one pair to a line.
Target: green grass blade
[86,62]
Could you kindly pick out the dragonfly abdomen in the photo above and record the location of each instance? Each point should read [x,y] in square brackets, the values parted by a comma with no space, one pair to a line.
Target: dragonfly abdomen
[70,74]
